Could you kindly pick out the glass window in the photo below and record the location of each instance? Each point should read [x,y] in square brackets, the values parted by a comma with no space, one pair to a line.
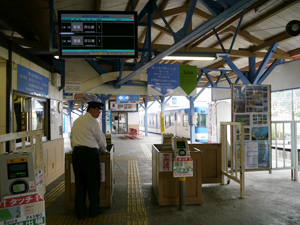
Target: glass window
[167,118]
[154,119]
[172,119]
[158,119]
[185,120]
[178,117]
[202,120]
[149,122]
[38,114]
[282,103]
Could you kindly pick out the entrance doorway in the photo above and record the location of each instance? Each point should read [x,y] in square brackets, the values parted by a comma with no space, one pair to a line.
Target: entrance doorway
[119,123]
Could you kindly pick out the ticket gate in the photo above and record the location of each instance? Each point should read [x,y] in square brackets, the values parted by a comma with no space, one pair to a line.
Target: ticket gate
[17,174]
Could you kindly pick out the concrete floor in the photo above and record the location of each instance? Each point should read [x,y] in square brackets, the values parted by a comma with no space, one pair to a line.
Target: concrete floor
[269,198]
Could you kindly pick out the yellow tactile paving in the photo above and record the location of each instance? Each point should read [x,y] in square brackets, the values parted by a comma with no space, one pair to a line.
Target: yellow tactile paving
[146,150]
[135,211]
[101,219]
[54,193]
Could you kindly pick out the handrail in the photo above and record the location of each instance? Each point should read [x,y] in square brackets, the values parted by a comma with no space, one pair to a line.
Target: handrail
[36,150]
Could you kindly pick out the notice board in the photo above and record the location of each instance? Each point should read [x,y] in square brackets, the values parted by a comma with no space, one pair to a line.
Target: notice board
[251,104]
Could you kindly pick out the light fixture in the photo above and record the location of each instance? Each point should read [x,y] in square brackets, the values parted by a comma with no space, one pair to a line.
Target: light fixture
[56,56]
[188,58]
[191,56]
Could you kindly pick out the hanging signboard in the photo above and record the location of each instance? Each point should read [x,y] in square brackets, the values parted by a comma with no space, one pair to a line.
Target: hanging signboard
[163,78]
[188,78]
[122,107]
[128,98]
[251,106]
[68,96]
[32,82]
[73,87]
[166,79]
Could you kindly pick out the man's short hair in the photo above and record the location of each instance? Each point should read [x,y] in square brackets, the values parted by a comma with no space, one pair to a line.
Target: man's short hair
[94,104]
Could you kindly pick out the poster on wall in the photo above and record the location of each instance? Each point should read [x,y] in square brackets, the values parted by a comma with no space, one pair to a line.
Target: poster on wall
[251,106]
[122,107]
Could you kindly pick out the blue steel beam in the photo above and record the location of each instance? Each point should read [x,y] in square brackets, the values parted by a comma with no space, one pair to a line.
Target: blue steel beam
[88,97]
[166,23]
[220,77]
[84,100]
[219,40]
[192,126]
[252,69]
[235,69]
[96,66]
[146,100]
[268,71]
[183,31]
[156,99]
[210,80]
[199,77]
[141,105]
[227,78]
[237,30]
[197,32]
[265,62]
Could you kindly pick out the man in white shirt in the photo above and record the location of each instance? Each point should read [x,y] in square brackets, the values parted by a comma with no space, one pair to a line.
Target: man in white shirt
[86,139]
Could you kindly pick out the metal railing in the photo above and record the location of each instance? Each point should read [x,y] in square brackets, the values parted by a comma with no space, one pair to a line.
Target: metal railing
[285,147]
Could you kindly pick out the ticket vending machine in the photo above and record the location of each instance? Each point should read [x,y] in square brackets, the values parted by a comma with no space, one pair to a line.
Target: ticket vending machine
[17,175]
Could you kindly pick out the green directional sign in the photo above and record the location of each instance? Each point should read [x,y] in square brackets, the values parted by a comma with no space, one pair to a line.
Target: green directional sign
[188,78]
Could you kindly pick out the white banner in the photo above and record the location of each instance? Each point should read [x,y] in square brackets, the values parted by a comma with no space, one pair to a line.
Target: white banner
[212,123]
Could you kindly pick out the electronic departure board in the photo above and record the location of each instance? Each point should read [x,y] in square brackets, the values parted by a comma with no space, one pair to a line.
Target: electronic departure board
[98,34]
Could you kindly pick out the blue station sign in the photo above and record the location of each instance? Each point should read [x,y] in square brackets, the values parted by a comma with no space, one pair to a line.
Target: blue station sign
[128,98]
[32,82]
[163,77]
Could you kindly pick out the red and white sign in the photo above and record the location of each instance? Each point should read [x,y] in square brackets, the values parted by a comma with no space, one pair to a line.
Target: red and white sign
[183,159]
[183,166]
[28,208]
[16,200]
[212,123]
[102,166]
[165,162]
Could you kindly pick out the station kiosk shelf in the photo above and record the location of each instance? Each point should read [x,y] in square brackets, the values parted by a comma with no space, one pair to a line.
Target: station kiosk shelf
[166,187]
[107,181]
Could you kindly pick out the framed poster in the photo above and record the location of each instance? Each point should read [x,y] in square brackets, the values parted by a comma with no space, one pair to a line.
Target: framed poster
[122,107]
[251,106]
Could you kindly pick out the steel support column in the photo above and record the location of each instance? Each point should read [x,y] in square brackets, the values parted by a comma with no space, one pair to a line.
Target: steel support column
[146,100]
[192,126]
[103,99]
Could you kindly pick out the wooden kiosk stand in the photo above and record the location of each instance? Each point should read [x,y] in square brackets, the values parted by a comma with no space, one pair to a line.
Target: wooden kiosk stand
[206,169]
[107,179]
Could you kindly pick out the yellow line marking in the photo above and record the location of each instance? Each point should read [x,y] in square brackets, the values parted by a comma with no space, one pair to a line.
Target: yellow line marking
[53,191]
[136,213]
[101,219]
[135,210]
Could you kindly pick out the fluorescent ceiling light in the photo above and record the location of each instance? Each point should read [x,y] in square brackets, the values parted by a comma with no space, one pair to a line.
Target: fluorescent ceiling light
[172,57]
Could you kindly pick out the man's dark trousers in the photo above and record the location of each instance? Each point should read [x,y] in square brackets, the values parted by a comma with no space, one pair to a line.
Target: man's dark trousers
[86,165]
